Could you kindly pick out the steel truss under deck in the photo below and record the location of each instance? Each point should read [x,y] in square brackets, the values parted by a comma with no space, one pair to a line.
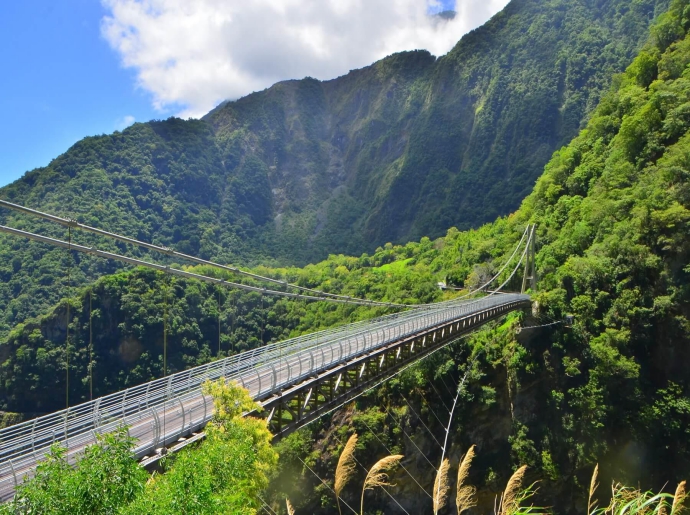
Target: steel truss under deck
[297,405]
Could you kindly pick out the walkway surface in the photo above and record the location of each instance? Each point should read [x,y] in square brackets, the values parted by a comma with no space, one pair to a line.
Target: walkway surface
[160,412]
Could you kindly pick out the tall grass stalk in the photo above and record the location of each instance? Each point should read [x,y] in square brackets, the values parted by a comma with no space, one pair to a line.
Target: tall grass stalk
[441,486]
[593,485]
[377,476]
[345,469]
[678,499]
[290,509]
[438,483]
[515,495]
[465,496]
[509,499]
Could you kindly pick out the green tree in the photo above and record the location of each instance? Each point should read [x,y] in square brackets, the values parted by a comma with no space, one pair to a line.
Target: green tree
[104,478]
[225,474]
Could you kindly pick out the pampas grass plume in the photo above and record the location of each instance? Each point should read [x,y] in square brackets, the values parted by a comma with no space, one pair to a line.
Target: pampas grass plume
[346,467]
[678,499]
[290,509]
[464,498]
[592,488]
[377,475]
[441,486]
[509,498]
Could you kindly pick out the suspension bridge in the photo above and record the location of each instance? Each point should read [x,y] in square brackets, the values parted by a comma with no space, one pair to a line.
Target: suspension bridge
[295,381]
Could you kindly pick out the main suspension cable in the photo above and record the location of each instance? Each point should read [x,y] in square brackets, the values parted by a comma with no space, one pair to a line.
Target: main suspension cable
[481,288]
[190,275]
[174,253]
[170,252]
[524,253]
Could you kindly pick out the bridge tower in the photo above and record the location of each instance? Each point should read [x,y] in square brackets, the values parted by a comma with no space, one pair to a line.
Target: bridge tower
[530,276]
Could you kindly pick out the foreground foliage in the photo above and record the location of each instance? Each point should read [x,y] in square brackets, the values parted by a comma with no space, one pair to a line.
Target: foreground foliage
[224,474]
[104,478]
[515,499]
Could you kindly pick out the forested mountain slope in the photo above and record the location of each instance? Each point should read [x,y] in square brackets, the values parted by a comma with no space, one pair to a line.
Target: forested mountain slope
[613,213]
[404,148]
[413,145]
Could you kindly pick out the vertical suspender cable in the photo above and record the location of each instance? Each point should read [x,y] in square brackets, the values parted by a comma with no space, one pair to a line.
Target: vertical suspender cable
[91,345]
[218,322]
[69,287]
[165,351]
[232,320]
[165,327]
[263,320]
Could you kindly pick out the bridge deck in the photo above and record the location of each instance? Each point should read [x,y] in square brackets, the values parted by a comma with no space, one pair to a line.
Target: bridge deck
[160,412]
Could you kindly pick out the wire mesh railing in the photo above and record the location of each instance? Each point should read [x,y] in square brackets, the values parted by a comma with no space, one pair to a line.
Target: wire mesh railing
[159,412]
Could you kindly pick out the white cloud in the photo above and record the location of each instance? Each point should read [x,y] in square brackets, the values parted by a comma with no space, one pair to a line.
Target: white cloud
[124,122]
[190,55]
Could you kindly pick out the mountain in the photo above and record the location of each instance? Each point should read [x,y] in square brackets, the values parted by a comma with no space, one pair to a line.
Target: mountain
[415,144]
[613,212]
[404,148]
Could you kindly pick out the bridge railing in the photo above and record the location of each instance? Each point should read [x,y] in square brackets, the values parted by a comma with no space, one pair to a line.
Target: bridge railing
[145,408]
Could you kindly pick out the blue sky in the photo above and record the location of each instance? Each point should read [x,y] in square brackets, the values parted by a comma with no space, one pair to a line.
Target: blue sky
[63,81]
